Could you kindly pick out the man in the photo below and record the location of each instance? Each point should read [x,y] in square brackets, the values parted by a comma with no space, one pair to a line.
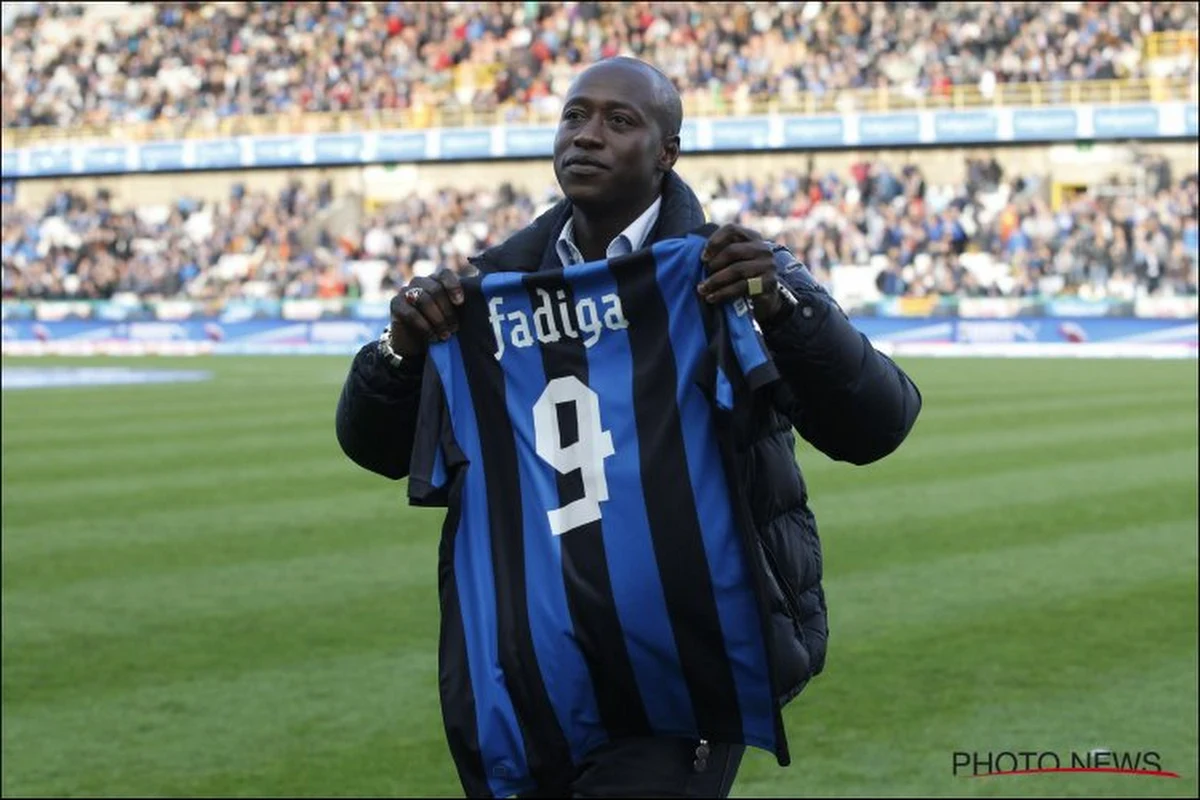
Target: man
[614,154]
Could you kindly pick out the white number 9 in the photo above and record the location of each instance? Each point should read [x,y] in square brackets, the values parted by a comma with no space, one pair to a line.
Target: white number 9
[586,454]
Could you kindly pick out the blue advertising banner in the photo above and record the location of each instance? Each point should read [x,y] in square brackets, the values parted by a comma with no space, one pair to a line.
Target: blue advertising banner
[161,156]
[346,148]
[532,141]
[740,134]
[1044,330]
[8,157]
[466,143]
[888,128]
[400,146]
[687,136]
[974,126]
[1050,124]
[218,154]
[277,151]
[245,310]
[969,126]
[49,161]
[244,328]
[814,132]
[1126,122]
[373,310]
[351,332]
[105,158]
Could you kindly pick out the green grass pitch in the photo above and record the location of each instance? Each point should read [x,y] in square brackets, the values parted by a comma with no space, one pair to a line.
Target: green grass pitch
[203,596]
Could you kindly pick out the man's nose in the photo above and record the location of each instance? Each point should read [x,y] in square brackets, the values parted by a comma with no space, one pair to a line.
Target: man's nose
[590,134]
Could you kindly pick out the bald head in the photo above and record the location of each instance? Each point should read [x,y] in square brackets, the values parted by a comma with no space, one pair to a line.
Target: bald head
[617,138]
[663,99]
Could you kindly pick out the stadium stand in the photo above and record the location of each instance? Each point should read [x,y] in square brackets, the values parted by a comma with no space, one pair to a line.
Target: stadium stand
[134,70]
[993,234]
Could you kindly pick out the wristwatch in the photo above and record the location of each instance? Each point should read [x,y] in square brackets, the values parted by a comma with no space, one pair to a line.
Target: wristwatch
[385,348]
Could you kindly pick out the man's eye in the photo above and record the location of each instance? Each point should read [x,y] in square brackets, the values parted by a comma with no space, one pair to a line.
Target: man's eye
[621,119]
[572,114]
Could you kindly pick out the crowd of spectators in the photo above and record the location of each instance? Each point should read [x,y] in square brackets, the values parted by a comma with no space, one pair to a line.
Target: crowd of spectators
[193,64]
[1119,237]
[917,237]
[87,248]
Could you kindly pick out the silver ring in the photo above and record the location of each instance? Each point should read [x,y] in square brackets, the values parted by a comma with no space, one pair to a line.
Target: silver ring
[413,294]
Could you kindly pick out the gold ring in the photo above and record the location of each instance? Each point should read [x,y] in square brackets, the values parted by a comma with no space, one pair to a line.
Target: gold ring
[754,285]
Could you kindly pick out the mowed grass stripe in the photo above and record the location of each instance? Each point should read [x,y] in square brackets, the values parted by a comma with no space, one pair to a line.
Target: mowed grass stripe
[229,420]
[189,647]
[224,545]
[947,587]
[176,484]
[1021,653]
[997,414]
[240,516]
[985,480]
[164,403]
[168,450]
[188,542]
[164,487]
[123,606]
[198,475]
[1073,430]
[1015,389]
[921,467]
[332,487]
[951,497]
[956,378]
[912,537]
[1007,636]
[214,723]
[180,542]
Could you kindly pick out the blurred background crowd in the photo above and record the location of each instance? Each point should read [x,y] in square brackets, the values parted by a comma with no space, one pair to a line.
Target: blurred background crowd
[997,233]
[196,63]
[922,235]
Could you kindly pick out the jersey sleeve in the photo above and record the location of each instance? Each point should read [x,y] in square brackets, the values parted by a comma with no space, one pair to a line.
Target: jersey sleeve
[435,454]
[738,362]
[753,359]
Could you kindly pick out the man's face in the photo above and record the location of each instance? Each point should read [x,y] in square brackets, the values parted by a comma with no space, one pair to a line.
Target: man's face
[609,150]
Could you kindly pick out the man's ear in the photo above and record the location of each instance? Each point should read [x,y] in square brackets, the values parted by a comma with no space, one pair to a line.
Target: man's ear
[669,153]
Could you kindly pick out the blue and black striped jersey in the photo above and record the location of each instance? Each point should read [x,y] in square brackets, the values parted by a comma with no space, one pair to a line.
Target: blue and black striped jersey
[593,571]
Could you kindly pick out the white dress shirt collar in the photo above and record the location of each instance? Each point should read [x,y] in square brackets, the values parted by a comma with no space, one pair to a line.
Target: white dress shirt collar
[631,239]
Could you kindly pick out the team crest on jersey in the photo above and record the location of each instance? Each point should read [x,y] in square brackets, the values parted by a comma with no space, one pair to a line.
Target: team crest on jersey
[590,319]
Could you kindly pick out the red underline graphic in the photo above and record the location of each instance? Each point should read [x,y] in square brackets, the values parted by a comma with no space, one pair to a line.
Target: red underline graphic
[1146,772]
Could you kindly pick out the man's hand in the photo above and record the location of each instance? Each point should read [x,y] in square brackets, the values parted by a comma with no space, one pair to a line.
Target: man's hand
[734,257]
[424,311]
